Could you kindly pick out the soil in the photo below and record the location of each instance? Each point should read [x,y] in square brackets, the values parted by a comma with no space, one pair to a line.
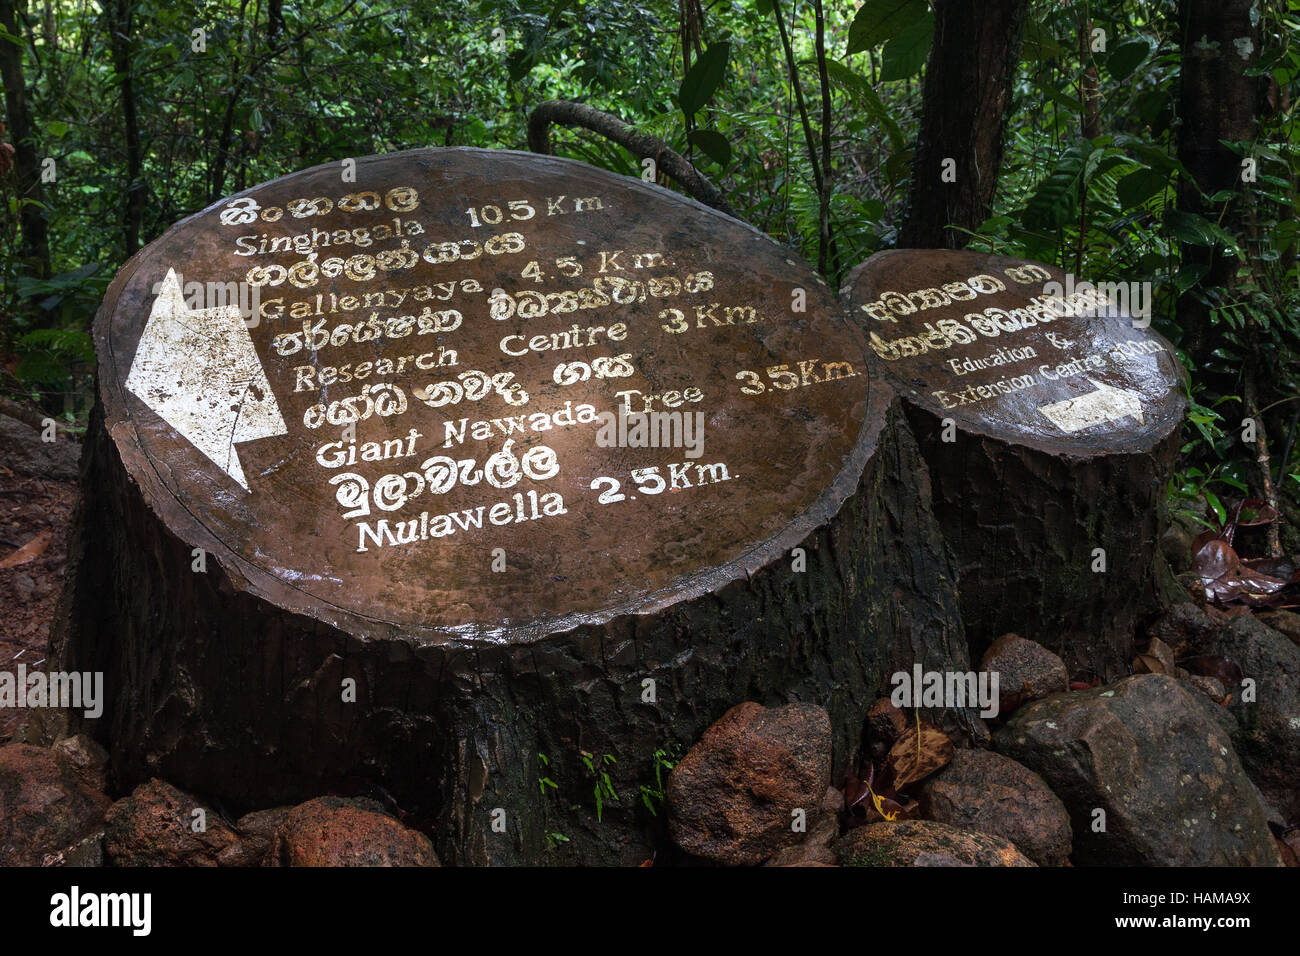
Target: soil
[30,509]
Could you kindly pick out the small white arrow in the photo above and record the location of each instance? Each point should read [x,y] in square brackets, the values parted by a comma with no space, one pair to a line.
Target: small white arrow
[1106,404]
[198,370]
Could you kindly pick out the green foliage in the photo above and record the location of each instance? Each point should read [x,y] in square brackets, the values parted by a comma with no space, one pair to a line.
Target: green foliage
[663,759]
[602,784]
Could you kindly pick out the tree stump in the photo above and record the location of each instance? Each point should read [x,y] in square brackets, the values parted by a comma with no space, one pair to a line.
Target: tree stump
[1048,417]
[397,528]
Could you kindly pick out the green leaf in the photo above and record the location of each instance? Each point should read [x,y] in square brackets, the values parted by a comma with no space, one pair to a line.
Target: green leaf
[905,53]
[1189,228]
[764,7]
[1126,56]
[857,87]
[1220,512]
[880,20]
[1054,202]
[1139,186]
[704,77]
[713,144]
[56,127]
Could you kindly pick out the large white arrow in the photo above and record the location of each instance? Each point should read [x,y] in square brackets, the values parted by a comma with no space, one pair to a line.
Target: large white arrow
[198,370]
[1106,404]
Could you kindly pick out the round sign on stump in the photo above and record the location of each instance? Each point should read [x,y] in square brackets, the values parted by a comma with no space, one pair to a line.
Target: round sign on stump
[1049,419]
[507,466]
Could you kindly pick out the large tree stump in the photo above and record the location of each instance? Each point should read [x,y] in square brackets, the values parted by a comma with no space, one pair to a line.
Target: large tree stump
[1049,419]
[377,533]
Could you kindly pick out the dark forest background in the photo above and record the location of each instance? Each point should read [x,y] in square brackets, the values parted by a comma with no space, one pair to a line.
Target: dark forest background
[1129,141]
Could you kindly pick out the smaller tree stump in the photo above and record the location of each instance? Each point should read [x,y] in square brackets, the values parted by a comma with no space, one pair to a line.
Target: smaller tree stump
[1049,419]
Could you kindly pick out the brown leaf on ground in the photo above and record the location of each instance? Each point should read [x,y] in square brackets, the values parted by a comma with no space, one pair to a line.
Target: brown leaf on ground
[32,550]
[921,751]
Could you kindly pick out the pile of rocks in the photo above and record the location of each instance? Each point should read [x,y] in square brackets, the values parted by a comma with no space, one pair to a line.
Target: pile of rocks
[53,811]
[1162,768]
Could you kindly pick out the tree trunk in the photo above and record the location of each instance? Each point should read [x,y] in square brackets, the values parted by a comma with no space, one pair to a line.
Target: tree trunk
[1049,424]
[119,38]
[806,567]
[967,91]
[1217,103]
[35,244]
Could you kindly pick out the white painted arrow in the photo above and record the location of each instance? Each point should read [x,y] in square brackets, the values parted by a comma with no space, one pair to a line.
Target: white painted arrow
[1106,404]
[198,370]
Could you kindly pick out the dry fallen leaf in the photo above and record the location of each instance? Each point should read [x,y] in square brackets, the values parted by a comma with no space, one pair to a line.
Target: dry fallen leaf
[32,550]
[921,751]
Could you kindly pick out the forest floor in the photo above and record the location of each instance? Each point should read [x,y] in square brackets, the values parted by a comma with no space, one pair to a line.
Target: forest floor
[34,518]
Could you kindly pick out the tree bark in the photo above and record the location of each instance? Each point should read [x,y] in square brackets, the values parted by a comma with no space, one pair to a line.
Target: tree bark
[816,576]
[1049,436]
[119,39]
[966,95]
[1217,102]
[642,145]
[35,245]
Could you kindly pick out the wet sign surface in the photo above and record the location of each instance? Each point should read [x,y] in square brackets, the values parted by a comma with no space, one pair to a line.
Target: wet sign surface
[471,389]
[1017,350]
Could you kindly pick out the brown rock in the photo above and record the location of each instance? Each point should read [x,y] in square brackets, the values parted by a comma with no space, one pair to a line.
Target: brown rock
[1158,658]
[833,803]
[256,830]
[990,793]
[1269,739]
[335,831]
[87,759]
[1152,756]
[731,798]
[905,842]
[804,854]
[1026,671]
[1211,687]
[157,826]
[1285,622]
[46,810]
[1185,628]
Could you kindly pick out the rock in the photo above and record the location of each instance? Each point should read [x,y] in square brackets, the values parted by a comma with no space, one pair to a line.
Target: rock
[256,831]
[908,842]
[938,859]
[1211,687]
[87,758]
[730,799]
[1286,623]
[46,810]
[1176,543]
[1290,840]
[336,831]
[1269,739]
[1148,753]
[89,851]
[1158,658]
[1026,671]
[1185,628]
[22,450]
[833,802]
[155,826]
[804,854]
[993,794]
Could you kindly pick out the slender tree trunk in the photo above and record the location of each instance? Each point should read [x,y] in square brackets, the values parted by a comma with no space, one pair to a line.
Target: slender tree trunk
[35,241]
[967,91]
[1217,102]
[119,37]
